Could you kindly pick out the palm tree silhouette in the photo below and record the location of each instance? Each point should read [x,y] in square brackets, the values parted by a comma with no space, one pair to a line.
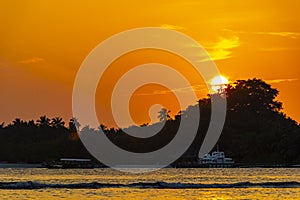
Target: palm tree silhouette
[57,122]
[163,115]
[43,121]
[18,122]
[74,124]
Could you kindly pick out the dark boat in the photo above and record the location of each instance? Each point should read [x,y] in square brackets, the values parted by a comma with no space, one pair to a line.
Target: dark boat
[70,163]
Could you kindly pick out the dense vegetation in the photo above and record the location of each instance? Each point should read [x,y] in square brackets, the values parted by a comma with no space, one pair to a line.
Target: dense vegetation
[37,141]
[255,131]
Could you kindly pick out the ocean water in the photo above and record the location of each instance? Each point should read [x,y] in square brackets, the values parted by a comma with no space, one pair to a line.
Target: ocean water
[247,183]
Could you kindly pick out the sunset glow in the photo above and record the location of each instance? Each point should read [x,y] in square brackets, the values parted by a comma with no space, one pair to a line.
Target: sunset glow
[43,44]
[218,83]
[136,99]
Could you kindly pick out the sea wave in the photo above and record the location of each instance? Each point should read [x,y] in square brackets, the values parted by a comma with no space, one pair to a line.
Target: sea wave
[148,185]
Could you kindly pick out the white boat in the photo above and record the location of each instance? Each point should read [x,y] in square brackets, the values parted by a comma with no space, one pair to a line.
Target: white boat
[216,159]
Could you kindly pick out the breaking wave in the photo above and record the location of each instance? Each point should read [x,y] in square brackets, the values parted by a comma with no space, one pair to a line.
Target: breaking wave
[148,185]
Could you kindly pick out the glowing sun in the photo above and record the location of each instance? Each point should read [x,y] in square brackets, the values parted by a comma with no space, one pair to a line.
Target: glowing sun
[219,83]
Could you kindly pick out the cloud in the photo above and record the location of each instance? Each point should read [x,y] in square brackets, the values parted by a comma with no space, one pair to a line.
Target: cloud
[31,60]
[222,49]
[292,35]
[288,34]
[194,88]
[172,27]
[233,31]
[282,80]
[274,49]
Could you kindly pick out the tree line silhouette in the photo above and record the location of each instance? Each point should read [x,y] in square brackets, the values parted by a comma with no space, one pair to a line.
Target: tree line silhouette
[255,131]
[42,140]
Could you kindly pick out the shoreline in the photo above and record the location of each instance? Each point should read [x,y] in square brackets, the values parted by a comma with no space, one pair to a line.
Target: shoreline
[20,165]
[40,165]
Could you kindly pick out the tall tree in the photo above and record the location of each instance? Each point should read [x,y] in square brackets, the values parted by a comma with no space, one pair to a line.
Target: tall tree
[164,115]
[74,125]
[252,95]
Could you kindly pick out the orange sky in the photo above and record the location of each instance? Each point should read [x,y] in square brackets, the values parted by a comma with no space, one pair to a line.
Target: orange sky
[42,44]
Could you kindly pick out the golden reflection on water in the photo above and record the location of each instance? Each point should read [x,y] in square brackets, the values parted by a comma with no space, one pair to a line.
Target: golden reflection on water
[203,176]
[153,194]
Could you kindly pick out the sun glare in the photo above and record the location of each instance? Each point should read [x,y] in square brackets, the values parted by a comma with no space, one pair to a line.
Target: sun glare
[218,83]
